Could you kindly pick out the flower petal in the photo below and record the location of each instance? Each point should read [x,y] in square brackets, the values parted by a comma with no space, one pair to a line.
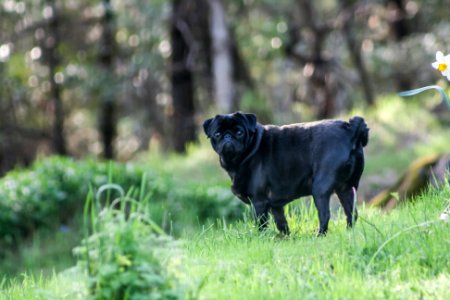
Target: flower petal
[435,65]
[447,59]
[439,56]
[446,73]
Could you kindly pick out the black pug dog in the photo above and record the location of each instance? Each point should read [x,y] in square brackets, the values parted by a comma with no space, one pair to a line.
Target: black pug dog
[271,166]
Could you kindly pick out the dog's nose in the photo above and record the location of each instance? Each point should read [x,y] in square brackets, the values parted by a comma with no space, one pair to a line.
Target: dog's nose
[227,137]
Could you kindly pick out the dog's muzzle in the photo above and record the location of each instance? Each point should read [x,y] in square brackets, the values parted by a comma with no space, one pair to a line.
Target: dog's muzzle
[228,145]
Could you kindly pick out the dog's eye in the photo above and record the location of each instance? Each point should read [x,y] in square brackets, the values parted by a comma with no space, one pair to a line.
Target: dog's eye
[217,135]
[239,133]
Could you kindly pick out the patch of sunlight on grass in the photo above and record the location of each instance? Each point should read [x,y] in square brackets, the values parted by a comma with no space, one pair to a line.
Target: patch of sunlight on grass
[238,262]
[67,285]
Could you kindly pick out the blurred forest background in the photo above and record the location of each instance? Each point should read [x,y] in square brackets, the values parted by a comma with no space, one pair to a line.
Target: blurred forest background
[113,78]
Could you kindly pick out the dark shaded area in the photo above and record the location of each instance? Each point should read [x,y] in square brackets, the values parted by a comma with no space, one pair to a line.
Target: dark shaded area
[108,108]
[51,43]
[183,125]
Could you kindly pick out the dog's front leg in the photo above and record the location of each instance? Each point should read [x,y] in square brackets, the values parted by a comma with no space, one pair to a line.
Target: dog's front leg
[261,212]
[280,219]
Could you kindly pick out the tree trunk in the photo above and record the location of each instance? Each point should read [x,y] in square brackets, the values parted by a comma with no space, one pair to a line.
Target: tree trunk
[224,89]
[182,119]
[354,47]
[108,103]
[51,45]
[241,72]
[398,22]
[399,29]
[323,92]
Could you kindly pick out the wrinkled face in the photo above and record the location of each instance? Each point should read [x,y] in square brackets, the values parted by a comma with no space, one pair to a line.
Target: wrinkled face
[231,134]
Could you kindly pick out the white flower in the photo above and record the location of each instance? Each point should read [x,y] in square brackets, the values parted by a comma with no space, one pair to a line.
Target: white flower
[442,64]
[444,217]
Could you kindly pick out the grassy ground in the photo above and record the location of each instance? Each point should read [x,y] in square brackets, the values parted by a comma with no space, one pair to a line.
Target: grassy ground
[67,285]
[401,255]
[234,261]
[43,254]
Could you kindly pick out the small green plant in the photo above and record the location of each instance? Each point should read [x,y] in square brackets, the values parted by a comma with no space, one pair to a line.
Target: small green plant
[233,260]
[52,191]
[126,255]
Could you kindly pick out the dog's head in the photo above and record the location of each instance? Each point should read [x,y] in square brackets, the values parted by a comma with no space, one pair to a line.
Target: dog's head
[231,135]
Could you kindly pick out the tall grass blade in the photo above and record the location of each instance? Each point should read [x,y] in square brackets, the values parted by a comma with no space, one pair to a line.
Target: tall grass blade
[424,224]
[355,200]
[143,187]
[108,187]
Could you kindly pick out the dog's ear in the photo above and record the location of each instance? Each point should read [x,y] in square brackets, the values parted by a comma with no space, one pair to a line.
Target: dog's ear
[207,125]
[250,120]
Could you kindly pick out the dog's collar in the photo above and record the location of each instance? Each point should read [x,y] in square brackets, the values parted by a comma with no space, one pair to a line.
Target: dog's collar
[259,134]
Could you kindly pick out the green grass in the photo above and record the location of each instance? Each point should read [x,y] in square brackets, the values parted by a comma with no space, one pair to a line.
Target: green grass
[236,262]
[67,285]
[45,253]
[401,255]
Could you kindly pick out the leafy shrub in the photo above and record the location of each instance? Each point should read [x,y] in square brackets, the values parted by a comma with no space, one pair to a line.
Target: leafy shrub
[215,202]
[127,256]
[54,189]
[51,191]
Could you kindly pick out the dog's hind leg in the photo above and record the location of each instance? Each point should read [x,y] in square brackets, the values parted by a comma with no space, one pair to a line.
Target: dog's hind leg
[347,199]
[321,193]
[280,219]
[345,192]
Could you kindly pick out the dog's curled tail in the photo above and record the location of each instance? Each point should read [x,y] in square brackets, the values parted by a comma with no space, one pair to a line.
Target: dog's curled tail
[360,131]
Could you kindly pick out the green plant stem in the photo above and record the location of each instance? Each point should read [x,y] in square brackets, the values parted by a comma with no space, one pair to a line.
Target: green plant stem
[424,224]
[430,87]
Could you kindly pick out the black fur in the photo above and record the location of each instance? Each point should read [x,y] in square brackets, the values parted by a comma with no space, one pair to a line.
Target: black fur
[271,166]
